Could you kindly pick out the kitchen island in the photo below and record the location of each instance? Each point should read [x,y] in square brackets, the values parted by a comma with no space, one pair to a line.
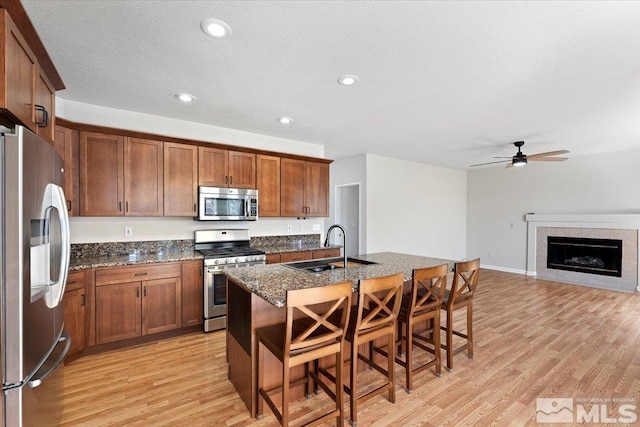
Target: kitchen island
[256,297]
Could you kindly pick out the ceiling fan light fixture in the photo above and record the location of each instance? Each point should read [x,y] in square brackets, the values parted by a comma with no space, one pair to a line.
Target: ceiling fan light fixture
[519,161]
[215,28]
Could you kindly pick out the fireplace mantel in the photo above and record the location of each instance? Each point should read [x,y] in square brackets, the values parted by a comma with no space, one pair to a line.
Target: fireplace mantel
[582,221]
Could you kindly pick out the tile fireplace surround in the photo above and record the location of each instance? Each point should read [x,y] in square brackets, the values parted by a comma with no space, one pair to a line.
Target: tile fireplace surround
[607,226]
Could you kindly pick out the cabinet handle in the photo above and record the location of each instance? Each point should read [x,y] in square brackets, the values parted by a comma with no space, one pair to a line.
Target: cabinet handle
[69,205]
[137,292]
[141,274]
[71,282]
[84,300]
[126,205]
[119,206]
[195,207]
[230,180]
[226,179]
[45,116]
[145,291]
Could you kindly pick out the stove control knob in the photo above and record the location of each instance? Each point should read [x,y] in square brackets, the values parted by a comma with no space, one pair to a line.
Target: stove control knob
[216,261]
[250,259]
[235,260]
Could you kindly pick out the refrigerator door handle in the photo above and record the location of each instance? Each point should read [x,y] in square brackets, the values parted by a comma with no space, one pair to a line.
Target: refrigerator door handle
[33,383]
[54,296]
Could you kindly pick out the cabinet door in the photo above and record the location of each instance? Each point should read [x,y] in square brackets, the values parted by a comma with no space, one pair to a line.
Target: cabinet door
[192,294]
[74,308]
[180,179]
[66,144]
[18,73]
[292,174]
[118,312]
[268,184]
[161,305]
[317,189]
[143,177]
[101,174]
[213,167]
[242,170]
[44,99]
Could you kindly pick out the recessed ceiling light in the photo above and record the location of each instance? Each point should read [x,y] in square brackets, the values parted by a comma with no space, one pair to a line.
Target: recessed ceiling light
[285,120]
[215,28]
[185,97]
[348,80]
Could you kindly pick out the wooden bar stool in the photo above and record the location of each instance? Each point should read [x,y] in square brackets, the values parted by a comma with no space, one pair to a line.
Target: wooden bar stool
[465,282]
[315,327]
[374,317]
[422,305]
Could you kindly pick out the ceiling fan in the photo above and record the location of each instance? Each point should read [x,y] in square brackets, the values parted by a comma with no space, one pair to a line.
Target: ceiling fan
[521,159]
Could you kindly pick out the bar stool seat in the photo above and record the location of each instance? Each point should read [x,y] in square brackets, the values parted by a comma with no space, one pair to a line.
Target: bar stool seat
[315,326]
[422,306]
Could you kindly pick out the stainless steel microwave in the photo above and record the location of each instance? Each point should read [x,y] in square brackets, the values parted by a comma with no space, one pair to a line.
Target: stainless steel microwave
[227,204]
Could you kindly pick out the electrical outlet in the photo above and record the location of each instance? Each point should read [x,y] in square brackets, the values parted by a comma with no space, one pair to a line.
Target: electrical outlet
[316,227]
[128,231]
[289,228]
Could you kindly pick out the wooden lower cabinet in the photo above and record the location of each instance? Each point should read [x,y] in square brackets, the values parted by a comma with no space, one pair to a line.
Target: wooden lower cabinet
[302,255]
[74,306]
[192,294]
[137,307]
[118,312]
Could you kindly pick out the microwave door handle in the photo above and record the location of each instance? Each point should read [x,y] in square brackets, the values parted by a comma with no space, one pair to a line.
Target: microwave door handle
[247,214]
[54,297]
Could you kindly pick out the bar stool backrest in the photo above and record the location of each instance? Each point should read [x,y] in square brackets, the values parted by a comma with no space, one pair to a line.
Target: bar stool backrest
[379,302]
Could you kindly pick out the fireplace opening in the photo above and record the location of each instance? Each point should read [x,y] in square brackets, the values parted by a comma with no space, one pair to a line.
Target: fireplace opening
[595,256]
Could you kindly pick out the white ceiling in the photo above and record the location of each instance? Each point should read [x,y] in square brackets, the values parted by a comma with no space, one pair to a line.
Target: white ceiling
[443,83]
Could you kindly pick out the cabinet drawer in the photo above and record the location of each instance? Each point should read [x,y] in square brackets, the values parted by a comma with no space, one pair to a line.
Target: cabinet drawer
[295,256]
[137,273]
[75,280]
[326,253]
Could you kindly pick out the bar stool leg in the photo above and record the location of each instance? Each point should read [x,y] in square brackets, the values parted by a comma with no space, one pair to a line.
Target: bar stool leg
[409,356]
[470,330]
[449,341]
[354,383]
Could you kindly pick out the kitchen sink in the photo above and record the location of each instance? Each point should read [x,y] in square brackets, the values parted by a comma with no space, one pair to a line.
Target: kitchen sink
[328,264]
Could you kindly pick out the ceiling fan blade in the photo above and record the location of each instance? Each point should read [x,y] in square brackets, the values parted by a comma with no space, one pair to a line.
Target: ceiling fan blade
[548,153]
[491,163]
[546,159]
[510,165]
[510,157]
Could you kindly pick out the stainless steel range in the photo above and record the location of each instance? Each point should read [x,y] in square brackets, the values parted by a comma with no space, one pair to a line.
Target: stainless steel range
[222,249]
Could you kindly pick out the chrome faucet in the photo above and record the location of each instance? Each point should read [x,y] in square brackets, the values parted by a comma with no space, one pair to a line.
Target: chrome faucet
[344,241]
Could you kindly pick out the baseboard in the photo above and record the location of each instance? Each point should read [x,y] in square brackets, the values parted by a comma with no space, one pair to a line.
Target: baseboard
[507,269]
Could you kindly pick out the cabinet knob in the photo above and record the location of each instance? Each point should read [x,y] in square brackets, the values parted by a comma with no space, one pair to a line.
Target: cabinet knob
[84,300]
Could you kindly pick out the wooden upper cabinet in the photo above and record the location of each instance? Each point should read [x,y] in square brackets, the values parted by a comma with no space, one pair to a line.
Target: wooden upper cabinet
[44,106]
[143,177]
[19,64]
[242,170]
[292,173]
[316,185]
[213,167]
[304,188]
[66,144]
[101,174]
[222,168]
[180,179]
[268,184]
[26,94]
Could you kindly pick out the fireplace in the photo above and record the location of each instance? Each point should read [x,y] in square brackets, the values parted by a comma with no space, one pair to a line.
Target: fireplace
[586,255]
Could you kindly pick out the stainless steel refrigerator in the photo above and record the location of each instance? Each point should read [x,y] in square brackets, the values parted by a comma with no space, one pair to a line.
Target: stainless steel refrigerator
[35,260]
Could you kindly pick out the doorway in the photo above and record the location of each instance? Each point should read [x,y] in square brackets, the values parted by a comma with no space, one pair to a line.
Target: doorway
[348,214]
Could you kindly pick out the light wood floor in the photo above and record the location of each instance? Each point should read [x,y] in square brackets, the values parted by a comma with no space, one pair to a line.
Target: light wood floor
[533,338]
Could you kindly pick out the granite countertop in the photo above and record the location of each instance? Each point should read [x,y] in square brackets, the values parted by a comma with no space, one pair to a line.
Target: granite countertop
[271,282]
[145,258]
[282,248]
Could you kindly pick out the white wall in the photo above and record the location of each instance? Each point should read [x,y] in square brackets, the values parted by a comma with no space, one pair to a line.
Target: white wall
[499,198]
[415,208]
[351,170]
[98,229]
